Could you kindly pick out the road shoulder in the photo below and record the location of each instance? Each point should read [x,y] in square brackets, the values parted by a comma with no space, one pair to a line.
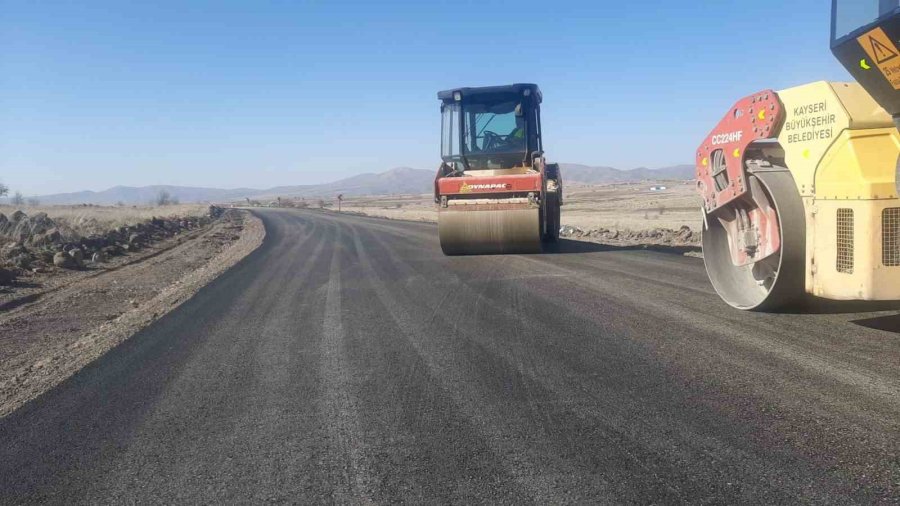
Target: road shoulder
[48,340]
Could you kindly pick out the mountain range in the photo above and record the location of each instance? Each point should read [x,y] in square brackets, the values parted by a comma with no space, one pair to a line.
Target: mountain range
[576,173]
[401,180]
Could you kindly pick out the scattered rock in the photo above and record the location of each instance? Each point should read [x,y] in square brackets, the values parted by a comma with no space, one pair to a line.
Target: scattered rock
[7,277]
[40,223]
[136,239]
[94,243]
[78,256]
[46,238]
[45,256]
[64,261]
[12,250]
[22,261]
[684,236]
[113,250]
[38,240]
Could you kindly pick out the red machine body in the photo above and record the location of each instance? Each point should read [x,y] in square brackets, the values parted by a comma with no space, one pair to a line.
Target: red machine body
[487,185]
[494,191]
[751,119]
[722,178]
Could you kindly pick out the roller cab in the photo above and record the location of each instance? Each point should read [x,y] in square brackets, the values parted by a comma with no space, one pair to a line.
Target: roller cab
[864,38]
[494,191]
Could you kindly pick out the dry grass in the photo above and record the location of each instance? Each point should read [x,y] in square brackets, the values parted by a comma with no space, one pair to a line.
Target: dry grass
[629,206]
[87,220]
[632,206]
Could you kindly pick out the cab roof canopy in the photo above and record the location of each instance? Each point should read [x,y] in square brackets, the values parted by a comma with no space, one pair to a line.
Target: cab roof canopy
[518,89]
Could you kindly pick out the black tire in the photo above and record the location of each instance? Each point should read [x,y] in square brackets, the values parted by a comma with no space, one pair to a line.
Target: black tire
[552,222]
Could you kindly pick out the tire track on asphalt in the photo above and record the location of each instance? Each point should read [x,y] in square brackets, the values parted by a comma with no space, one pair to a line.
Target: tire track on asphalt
[674,306]
[217,375]
[493,424]
[623,428]
[341,408]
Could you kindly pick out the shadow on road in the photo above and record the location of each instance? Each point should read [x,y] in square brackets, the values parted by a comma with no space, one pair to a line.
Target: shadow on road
[569,246]
[887,323]
[815,305]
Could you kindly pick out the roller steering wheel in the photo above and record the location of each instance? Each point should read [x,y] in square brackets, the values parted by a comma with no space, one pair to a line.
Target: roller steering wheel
[491,139]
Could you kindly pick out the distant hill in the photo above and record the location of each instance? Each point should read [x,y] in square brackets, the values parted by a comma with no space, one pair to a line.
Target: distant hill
[402,180]
[575,173]
[144,195]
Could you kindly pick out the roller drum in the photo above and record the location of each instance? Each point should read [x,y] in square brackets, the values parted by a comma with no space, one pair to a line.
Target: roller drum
[772,283]
[478,232]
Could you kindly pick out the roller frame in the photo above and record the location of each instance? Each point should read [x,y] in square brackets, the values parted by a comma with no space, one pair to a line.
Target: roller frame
[498,214]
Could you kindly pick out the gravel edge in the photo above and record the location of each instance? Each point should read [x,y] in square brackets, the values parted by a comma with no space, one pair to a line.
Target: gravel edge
[99,341]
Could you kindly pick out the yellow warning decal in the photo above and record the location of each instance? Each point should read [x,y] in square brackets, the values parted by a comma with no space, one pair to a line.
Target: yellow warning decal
[883,52]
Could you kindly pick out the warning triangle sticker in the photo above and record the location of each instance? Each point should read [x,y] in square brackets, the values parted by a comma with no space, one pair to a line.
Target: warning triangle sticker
[881,52]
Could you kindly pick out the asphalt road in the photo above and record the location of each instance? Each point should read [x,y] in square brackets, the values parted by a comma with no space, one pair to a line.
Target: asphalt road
[347,360]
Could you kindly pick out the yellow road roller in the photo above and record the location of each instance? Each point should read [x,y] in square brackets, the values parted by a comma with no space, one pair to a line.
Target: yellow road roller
[799,186]
[494,191]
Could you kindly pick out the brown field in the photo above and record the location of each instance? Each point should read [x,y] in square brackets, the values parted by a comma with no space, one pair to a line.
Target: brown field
[626,206]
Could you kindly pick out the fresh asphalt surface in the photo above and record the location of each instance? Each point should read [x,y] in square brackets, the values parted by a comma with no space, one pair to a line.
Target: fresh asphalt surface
[347,360]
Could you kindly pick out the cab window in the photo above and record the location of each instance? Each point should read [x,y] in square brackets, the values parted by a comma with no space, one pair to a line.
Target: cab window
[850,15]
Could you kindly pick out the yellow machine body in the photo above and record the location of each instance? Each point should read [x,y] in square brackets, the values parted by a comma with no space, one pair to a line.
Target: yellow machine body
[842,151]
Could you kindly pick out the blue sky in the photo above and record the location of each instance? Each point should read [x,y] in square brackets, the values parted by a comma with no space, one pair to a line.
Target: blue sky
[260,93]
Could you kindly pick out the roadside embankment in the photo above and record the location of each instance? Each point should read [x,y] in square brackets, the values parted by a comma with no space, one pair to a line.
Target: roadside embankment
[55,319]
[684,237]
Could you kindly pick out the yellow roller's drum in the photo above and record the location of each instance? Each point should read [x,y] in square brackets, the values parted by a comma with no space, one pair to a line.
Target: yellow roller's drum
[481,232]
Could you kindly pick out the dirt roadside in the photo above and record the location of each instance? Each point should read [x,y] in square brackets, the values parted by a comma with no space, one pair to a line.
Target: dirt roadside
[626,215]
[49,333]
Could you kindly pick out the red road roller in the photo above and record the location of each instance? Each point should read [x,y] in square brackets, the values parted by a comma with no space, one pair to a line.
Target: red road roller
[494,190]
